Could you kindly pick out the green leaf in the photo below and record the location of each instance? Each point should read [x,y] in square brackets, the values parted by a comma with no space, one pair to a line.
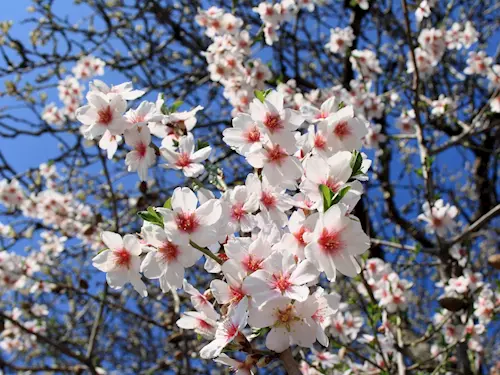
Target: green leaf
[327,196]
[201,144]
[50,163]
[338,197]
[175,106]
[168,203]
[341,105]
[356,163]
[151,216]
[261,95]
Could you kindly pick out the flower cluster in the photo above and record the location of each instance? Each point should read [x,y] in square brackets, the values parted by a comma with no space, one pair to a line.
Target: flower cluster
[228,58]
[269,246]
[390,291]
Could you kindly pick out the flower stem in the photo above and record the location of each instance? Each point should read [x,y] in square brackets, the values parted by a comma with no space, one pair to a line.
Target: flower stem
[207,252]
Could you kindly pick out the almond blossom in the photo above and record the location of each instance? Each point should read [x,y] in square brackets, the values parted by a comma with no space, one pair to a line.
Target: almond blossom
[101,114]
[143,155]
[186,159]
[121,261]
[168,261]
[227,331]
[336,239]
[188,222]
[280,276]
[290,323]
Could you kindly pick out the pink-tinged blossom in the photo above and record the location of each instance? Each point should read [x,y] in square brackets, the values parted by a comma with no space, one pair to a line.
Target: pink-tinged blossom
[440,218]
[374,137]
[199,322]
[324,359]
[125,90]
[232,291]
[406,122]
[277,122]
[315,115]
[289,322]
[53,115]
[298,225]
[442,106]
[169,259]
[237,367]
[109,143]
[144,114]
[186,159]
[423,10]
[187,221]
[345,131]
[273,201]
[365,62]
[142,155]
[245,136]
[101,114]
[121,261]
[88,67]
[323,305]
[11,193]
[478,63]
[247,254]
[336,239]
[333,173]
[200,301]
[227,330]
[278,167]
[280,276]
[340,40]
[242,204]
[345,326]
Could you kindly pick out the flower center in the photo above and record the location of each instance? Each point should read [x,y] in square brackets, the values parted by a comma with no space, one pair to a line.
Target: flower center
[276,154]
[237,211]
[299,236]
[285,317]
[332,184]
[184,160]
[141,149]
[187,222]
[122,258]
[319,141]
[342,130]
[105,116]
[273,122]
[251,264]
[268,200]
[253,135]
[236,294]
[331,242]
[169,251]
[281,281]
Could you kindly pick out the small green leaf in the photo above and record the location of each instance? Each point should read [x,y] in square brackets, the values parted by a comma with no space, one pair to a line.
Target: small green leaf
[356,163]
[261,95]
[151,216]
[327,197]
[341,105]
[201,144]
[175,106]
[338,197]
[168,203]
